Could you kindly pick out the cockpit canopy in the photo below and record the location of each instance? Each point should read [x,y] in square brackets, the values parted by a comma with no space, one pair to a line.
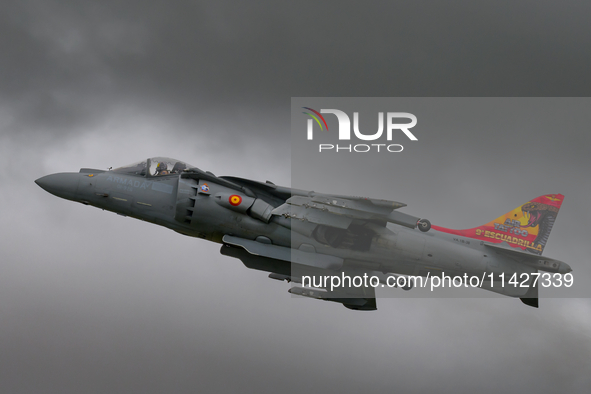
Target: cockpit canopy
[155,166]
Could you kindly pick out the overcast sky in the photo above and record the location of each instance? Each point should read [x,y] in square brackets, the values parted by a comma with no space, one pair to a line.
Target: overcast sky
[94,302]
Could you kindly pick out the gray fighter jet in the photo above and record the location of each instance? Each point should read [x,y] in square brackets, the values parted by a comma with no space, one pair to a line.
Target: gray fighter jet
[329,244]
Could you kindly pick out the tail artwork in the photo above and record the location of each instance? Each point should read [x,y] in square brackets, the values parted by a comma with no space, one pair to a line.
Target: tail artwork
[526,227]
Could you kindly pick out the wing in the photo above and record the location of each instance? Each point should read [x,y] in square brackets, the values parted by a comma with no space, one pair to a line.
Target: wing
[330,219]
[326,209]
[279,261]
[340,212]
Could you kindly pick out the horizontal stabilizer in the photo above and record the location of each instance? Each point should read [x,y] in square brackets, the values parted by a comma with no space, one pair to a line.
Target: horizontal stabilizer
[531,297]
[534,302]
[540,262]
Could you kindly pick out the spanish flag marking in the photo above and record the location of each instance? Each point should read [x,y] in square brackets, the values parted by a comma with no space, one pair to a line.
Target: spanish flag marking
[235,200]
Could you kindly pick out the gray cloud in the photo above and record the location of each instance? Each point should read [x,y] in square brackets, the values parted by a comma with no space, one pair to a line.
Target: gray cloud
[66,61]
[93,302]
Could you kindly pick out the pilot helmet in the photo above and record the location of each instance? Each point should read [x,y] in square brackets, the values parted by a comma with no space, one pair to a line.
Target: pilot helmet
[161,167]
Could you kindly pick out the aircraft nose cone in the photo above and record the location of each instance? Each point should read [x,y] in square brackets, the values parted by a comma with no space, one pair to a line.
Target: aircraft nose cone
[64,184]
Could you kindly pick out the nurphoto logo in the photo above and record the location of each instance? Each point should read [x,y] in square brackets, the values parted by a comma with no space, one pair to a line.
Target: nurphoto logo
[393,125]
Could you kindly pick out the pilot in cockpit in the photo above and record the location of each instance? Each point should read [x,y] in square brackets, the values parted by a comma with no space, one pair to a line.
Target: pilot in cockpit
[161,169]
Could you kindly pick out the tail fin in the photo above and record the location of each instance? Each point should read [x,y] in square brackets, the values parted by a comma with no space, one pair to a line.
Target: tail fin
[526,227]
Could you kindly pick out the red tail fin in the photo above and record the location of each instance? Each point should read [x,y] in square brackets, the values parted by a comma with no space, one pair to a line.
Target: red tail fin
[526,227]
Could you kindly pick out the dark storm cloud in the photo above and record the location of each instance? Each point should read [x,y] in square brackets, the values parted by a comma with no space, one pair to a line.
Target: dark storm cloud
[65,62]
[93,302]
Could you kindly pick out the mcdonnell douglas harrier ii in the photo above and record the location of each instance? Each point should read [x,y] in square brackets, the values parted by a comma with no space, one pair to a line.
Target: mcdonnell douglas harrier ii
[312,238]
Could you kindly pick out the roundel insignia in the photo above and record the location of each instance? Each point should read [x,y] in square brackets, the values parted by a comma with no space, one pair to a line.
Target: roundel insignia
[235,200]
[204,188]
